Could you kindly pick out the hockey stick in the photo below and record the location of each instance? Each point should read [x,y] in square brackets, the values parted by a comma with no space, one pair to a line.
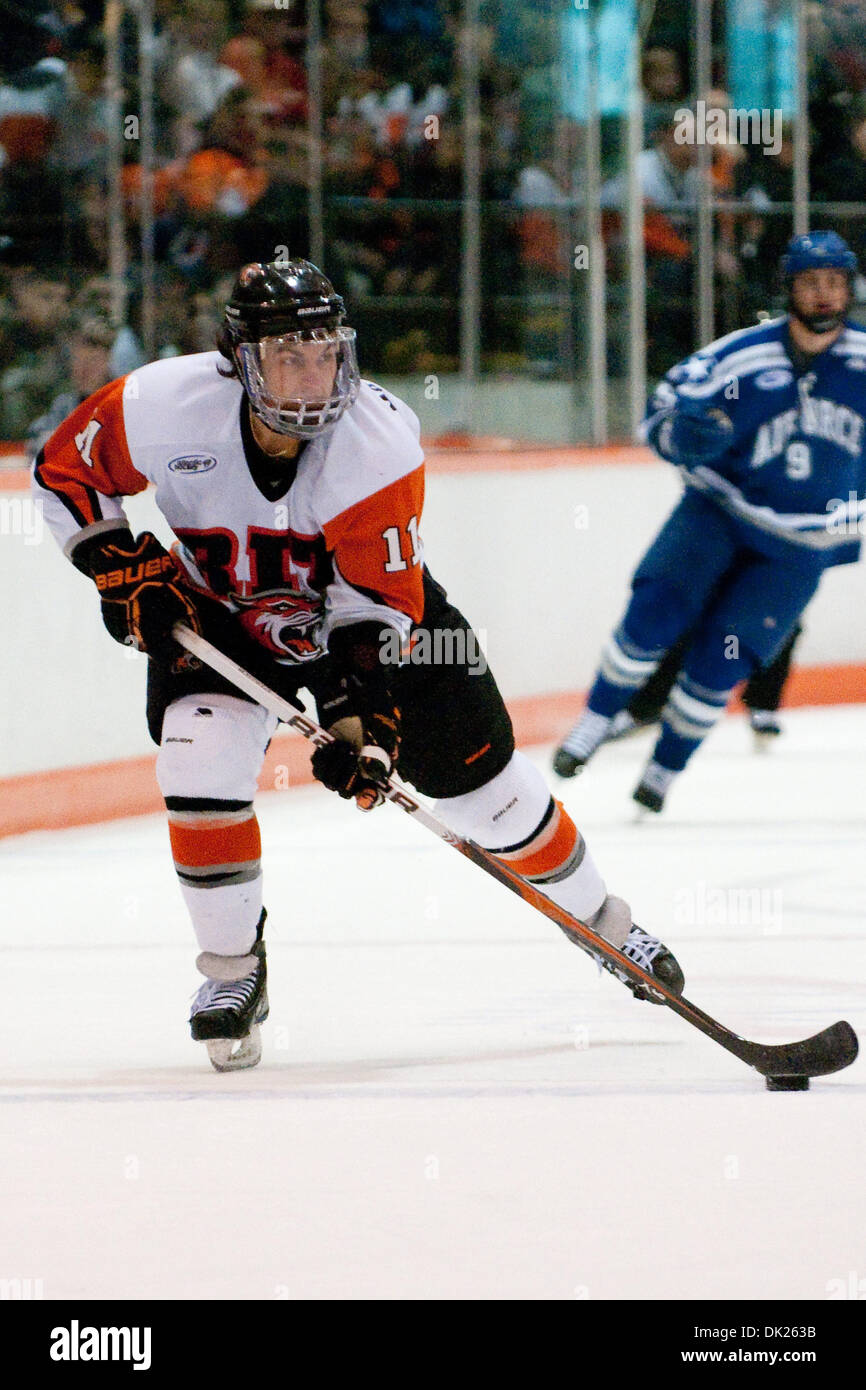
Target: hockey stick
[828,1051]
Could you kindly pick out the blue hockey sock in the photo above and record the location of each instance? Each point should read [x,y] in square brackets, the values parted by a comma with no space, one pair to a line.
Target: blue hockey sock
[623,669]
[690,713]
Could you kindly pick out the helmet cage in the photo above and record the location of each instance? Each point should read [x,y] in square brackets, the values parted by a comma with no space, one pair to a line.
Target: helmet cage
[296,416]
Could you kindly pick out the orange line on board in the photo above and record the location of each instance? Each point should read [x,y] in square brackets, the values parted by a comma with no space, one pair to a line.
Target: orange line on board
[500,456]
[14,480]
[59,798]
[531,458]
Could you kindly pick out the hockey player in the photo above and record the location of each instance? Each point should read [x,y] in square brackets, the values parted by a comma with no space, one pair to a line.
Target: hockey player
[767,428]
[295,491]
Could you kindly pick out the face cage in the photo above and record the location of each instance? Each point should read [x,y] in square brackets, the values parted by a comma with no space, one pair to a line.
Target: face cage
[298,418]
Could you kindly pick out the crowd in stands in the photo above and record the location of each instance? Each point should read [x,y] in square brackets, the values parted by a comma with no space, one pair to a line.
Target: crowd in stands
[233,106]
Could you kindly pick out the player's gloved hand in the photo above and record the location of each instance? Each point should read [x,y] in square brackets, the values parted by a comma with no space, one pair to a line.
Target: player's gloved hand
[360,712]
[695,433]
[139,589]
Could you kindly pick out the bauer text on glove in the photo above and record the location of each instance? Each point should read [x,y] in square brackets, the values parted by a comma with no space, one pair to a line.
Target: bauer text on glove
[139,589]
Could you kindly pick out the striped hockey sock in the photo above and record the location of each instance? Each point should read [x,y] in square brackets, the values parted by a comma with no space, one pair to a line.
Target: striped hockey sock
[217,857]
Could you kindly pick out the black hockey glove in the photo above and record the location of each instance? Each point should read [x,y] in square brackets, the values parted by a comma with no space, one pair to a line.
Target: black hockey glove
[139,589]
[695,433]
[359,710]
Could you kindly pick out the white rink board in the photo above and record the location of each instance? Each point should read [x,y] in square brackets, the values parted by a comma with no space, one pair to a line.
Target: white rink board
[452,1103]
[538,560]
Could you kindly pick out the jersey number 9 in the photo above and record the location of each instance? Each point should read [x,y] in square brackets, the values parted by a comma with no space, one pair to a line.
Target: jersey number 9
[798,461]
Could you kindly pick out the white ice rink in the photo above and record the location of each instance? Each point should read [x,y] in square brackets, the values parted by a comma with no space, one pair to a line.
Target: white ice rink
[452,1104]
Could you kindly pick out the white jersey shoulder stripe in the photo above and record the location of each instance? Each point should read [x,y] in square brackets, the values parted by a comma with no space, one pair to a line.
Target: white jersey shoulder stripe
[741,338]
[739,364]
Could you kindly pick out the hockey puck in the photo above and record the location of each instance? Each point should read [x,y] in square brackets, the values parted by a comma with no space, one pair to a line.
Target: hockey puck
[787,1083]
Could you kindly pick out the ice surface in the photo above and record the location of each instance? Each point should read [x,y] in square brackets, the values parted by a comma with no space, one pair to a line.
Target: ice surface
[452,1102]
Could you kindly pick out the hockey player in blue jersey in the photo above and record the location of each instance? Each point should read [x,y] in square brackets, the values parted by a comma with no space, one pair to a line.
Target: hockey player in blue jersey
[766,426]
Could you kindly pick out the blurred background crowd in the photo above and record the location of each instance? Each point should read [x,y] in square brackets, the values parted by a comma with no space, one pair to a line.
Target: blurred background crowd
[233,154]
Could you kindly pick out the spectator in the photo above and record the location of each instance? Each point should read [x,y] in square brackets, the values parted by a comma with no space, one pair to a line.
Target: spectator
[278,100]
[196,82]
[283,34]
[81,145]
[31,364]
[670,179]
[761,180]
[348,31]
[667,171]
[227,175]
[662,82]
[662,75]
[840,175]
[31,198]
[543,236]
[89,368]
[95,299]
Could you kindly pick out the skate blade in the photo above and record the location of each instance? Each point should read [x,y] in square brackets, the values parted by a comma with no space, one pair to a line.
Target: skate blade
[235,1054]
[763,743]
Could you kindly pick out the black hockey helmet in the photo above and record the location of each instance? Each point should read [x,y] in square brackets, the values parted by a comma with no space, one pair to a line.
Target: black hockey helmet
[282,297]
[290,301]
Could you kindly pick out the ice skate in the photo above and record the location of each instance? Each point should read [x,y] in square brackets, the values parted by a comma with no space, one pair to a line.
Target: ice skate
[578,746]
[625,725]
[229,1007]
[765,727]
[652,789]
[653,956]
[646,951]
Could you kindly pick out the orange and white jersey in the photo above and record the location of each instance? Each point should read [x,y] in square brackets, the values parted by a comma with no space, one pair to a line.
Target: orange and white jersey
[340,546]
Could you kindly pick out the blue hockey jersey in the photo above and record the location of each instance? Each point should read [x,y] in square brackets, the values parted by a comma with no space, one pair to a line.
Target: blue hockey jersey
[794,472]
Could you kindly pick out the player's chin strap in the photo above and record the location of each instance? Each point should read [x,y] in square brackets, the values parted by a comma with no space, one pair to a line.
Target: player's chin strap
[828,1051]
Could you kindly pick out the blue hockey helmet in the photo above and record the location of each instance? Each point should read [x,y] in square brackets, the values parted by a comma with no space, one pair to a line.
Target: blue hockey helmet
[817,251]
[814,250]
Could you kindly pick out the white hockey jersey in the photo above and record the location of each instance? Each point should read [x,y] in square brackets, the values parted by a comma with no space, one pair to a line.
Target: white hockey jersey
[340,546]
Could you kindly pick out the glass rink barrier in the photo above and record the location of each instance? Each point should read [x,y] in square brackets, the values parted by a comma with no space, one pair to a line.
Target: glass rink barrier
[532,211]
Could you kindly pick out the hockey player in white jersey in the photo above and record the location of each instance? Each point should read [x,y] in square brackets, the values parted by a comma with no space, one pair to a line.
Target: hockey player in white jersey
[295,491]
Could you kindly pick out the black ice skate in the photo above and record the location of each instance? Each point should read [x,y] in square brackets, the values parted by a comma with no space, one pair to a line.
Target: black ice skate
[652,956]
[653,786]
[646,951]
[647,798]
[765,728]
[578,746]
[230,1005]
[567,764]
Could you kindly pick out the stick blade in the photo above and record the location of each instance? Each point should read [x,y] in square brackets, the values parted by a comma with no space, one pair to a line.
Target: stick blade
[827,1052]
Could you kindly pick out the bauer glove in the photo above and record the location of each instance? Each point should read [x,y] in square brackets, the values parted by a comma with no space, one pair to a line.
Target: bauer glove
[139,589]
[359,710]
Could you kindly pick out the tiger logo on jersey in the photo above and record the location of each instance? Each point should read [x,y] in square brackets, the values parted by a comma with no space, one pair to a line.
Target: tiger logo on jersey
[283,621]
